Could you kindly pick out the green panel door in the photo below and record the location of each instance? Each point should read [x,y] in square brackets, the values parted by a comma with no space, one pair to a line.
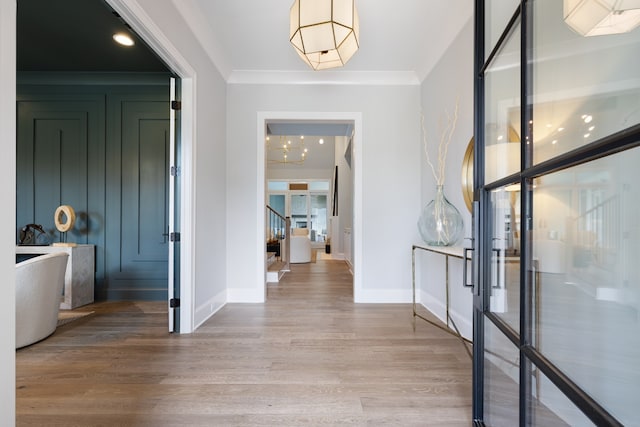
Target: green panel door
[138,265]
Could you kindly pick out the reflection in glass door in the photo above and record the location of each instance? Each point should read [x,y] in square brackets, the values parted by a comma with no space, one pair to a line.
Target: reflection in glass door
[557,202]
[299,211]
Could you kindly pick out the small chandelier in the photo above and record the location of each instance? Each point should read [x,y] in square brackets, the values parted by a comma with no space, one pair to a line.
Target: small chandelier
[291,151]
[601,17]
[325,33]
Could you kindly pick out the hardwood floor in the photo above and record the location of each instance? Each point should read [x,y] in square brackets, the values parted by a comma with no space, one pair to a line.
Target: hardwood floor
[309,356]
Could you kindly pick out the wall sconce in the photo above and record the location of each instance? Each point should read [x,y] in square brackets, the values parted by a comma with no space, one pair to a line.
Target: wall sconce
[601,17]
[325,33]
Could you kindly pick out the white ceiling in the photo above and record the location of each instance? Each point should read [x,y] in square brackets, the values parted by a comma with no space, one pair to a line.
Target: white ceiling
[400,40]
[319,156]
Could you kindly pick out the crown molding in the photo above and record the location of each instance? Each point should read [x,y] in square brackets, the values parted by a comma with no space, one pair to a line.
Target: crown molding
[341,77]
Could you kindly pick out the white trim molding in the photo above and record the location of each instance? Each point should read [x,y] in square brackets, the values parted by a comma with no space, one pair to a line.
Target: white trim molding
[143,25]
[436,307]
[201,29]
[356,117]
[342,77]
[8,195]
[207,309]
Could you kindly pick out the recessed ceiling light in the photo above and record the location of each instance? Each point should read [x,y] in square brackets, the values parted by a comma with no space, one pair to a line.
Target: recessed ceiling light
[123,39]
[321,141]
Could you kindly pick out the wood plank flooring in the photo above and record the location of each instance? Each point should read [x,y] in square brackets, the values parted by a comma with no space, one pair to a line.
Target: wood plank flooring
[308,356]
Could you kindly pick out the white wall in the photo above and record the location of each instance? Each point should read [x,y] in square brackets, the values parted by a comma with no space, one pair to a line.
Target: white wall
[209,168]
[345,199]
[8,197]
[390,179]
[451,79]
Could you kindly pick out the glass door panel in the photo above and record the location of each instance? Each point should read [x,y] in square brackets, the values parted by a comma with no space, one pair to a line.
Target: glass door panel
[501,377]
[556,325]
[299,210]
[550,407]
[497,15]
[504,272]
[276,228]
[277,203]
[502,111]
[587,299]
[318,216]
[585,88]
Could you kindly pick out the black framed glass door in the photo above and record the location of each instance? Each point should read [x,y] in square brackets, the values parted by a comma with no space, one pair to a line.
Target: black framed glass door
[557,197]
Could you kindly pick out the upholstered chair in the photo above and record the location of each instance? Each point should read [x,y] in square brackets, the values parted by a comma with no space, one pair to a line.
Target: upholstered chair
[39,284]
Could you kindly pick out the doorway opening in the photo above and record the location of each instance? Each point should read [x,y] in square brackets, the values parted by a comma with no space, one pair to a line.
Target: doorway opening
[84,98]
[320,192]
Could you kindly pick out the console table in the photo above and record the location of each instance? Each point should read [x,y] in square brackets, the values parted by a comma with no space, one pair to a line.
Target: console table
[80,274]
[447,252]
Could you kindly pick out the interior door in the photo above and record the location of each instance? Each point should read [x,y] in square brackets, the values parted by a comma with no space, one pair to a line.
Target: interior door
[139,271]
[556,293]
[174,208]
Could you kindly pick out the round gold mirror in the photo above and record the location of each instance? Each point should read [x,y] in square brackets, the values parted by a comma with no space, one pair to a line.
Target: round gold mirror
[467,176]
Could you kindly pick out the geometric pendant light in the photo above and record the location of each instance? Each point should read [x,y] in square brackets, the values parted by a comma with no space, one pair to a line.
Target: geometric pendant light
[601,17]
[325,33]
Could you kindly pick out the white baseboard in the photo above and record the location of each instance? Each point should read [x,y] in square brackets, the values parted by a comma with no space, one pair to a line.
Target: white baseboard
[439,310]
[464,324]
[273,276]
[432,304]
[245,295]
[209,308]
[383,296]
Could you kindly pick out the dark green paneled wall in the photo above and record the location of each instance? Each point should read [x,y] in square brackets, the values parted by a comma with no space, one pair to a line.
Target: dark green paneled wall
[103,149]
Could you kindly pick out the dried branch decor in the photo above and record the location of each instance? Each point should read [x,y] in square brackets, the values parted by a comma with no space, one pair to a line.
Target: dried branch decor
[440,223]
[443,145]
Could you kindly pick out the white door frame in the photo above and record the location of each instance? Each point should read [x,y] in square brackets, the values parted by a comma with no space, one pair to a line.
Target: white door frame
[144,26]
[263,118]
[8,195]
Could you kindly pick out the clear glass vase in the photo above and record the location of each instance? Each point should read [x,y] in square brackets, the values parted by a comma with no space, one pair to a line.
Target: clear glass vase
[440,223]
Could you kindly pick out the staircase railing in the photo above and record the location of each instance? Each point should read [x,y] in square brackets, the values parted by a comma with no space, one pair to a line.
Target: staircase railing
[277,234]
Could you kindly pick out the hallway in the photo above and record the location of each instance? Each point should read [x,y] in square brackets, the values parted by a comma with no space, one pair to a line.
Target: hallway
[309,356]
